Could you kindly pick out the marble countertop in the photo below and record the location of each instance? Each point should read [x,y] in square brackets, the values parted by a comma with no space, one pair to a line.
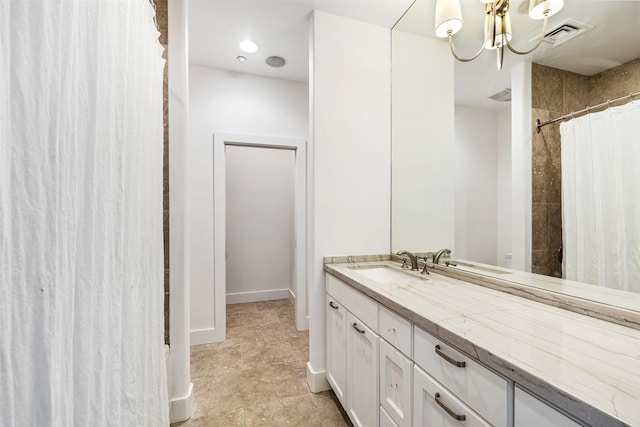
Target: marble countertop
[587,366]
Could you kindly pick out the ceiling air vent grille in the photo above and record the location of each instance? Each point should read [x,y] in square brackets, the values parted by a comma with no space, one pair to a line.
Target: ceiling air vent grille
[560,33]
[502,96]
[565,31]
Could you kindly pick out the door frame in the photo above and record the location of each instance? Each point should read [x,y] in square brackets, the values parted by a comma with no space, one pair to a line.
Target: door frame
[220,141]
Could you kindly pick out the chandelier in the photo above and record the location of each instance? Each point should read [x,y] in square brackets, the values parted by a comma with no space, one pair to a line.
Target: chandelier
[497,24]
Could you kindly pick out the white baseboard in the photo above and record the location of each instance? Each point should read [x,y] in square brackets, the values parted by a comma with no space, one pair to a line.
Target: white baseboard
[304,326]
[317,380]
[181,409]
[167,366]
[292,298]
[206,336]
[255,296]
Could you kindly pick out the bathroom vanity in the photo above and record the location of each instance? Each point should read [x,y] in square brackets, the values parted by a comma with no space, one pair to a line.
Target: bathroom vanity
[405,349]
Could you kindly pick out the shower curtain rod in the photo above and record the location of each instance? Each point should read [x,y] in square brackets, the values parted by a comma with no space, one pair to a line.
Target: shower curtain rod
[584,110]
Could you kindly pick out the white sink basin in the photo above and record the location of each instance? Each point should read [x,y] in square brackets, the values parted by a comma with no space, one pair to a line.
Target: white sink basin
[383,274]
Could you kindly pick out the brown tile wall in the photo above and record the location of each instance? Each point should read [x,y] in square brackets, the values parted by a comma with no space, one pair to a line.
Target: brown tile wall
[162,19]
[554,93]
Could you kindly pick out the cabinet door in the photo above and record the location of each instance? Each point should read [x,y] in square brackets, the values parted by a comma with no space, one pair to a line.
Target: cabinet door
[395,384]
[362,373]
[529,411]
[385,419]
[434,406]
[336,342]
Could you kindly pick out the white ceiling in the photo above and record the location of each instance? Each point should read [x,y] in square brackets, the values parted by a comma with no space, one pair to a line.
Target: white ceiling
[281,28]
[278,27]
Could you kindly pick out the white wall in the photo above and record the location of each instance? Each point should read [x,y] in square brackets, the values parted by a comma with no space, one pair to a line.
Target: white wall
[423,144]
[222,101]
[476,185]
[259,223]
[349,209]
[180,387]
[521,128]
[503,125]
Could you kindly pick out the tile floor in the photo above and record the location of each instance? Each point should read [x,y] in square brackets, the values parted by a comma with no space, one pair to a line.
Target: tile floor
[257,376]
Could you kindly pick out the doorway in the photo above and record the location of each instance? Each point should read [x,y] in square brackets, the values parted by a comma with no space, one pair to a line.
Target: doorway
[259,223]
[245,262]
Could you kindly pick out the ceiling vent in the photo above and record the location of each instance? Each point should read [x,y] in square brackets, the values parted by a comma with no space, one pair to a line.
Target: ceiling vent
[566,30]
[502,96]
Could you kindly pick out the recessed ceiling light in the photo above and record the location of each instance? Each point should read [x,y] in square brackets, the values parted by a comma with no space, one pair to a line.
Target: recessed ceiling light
[241,58]
[275,61]
[248,46]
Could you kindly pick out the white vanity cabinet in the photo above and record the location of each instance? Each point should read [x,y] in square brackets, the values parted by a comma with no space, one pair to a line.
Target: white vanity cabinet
[529,411]
[395,384]
[362,373]
[336,345]
[352,351]
[387,372]
[396,366]
[482,390]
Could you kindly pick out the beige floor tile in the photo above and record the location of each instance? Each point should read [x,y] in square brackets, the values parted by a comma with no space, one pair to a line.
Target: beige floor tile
[257,376]
[233,418]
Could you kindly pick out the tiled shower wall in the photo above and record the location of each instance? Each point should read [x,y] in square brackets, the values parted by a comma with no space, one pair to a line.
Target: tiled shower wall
[554,93]
[162,19]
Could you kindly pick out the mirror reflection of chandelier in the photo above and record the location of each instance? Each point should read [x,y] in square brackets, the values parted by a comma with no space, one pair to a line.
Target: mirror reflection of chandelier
[497,24]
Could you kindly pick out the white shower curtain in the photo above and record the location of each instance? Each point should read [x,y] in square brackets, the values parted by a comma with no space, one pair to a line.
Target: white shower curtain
[81,259]
[601,197]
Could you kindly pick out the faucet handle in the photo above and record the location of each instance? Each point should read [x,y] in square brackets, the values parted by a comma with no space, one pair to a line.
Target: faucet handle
[424,268]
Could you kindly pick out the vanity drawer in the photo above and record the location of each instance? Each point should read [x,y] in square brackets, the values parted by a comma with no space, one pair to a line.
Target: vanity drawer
[434,405]
[529,411]
[396,330]
[483,390]
[355,301]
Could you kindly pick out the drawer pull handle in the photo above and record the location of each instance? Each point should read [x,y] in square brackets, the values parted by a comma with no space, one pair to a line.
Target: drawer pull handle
[449,359]
[447,410]
[360,331]
[335,307]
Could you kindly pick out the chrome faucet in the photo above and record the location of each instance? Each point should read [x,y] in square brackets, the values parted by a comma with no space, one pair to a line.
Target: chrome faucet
[437,255]
[412,257]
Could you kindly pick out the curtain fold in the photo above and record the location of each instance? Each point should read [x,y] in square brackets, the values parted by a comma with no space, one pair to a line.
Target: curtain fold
[81,248]
[601,197]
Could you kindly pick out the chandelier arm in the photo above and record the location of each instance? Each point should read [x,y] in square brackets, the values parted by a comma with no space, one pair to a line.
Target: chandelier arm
[544,31]
[455,55]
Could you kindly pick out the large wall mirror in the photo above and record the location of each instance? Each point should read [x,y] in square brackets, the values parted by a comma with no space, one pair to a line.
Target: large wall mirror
[469,171]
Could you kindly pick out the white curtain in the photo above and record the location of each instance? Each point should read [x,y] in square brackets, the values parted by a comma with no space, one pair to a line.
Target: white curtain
[601,197]
[81,259]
